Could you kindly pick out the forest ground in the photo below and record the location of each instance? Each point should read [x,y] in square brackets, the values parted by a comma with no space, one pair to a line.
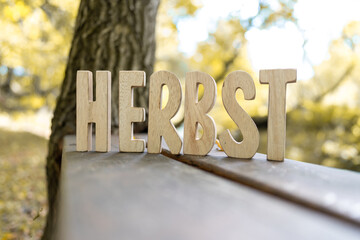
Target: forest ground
[23,204]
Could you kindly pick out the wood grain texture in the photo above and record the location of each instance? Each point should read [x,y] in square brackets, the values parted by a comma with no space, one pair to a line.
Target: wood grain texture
[250,143]
[327,190]
[108,34]
[276,131]
[89,111]
[196,113]
[149,196]
[160,124]
[128,114]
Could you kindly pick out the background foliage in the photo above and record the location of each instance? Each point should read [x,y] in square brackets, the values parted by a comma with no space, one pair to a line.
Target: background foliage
[323,112]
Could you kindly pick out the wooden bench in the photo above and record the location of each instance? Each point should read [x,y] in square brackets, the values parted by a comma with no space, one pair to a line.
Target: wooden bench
[156,196]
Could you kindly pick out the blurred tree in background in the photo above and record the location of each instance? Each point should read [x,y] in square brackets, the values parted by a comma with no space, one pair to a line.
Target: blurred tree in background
[108,35]
[323,125]
[34,46]
[323,111]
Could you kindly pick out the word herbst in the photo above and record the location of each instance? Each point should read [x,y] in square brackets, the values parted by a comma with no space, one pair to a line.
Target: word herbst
[160,125]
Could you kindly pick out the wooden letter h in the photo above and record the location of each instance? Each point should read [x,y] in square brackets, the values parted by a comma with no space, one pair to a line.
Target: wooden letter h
[89,111]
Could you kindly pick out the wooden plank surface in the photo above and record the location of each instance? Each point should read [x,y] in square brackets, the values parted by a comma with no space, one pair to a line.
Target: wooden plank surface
[149,196]
[329,190]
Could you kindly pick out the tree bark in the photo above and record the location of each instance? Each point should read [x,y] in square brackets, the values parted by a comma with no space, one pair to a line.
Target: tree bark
[109,35]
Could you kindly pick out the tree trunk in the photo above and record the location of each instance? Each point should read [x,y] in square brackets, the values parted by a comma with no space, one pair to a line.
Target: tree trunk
[109,35]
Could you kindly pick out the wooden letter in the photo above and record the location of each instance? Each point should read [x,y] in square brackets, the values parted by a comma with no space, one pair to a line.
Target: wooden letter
[128,114]
[250,143]
[159,119]
[196,113]
[89,111]
[277,80]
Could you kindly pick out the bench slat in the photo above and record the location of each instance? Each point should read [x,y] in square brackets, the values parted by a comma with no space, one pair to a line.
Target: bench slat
[150,196]
[333,191]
